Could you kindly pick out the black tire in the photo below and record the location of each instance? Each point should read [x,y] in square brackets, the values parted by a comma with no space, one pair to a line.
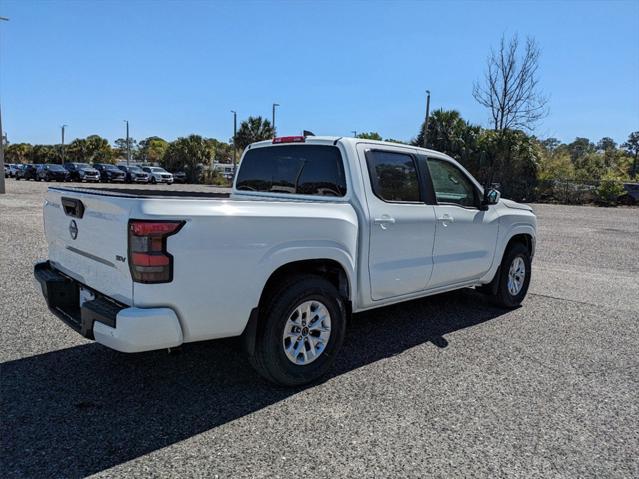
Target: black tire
[269,357]
[504,298]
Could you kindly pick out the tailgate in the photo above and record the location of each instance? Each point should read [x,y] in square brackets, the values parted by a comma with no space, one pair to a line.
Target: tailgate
[88,241]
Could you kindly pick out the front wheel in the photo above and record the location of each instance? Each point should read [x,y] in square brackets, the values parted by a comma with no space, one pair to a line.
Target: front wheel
[514,276]
[301,331]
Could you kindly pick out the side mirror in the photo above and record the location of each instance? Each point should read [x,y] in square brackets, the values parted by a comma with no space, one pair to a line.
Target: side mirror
[491,197]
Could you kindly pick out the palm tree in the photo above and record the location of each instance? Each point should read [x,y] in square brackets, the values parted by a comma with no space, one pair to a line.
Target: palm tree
[254,129]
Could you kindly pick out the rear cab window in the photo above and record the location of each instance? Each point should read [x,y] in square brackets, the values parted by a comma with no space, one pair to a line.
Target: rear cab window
[315,170]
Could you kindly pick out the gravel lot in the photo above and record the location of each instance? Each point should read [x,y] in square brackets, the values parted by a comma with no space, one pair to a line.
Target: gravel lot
[446,386]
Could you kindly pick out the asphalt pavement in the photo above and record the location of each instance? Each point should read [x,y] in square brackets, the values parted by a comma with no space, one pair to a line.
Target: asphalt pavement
[447,386]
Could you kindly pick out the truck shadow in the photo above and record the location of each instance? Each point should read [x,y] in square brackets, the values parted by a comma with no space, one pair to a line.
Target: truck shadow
[82,410]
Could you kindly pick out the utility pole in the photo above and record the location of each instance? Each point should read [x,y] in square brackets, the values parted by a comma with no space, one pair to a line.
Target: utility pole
[427,115]
[234,140]
[62,128]
[128,144]
[273,117]
[2,190]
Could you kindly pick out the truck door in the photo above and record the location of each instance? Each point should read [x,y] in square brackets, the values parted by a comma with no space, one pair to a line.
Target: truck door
[402,225]
[466,235]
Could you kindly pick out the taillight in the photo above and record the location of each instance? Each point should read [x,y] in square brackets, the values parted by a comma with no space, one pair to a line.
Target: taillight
[289,139]
[149,260]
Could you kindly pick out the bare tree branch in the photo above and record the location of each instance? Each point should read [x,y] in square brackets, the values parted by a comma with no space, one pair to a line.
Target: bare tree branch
[510,89]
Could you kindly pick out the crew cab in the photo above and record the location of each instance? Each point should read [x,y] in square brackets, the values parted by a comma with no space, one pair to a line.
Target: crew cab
[314,229]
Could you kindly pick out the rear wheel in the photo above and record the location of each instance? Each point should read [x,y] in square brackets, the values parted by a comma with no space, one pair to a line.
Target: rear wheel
[301,331]
[514,276]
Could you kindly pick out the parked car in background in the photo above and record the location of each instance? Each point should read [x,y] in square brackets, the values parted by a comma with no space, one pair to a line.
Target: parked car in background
[134,174]
[49,172]
[315,229]
[109,173]
[7,169]
[13,169]
[28,172]
[82,172]
[179,177]
[158,175]
[18,168]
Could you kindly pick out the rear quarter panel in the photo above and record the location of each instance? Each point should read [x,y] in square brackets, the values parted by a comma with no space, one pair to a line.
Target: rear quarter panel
[228,249]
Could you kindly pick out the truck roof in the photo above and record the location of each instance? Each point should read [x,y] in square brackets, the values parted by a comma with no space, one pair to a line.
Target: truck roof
[323,140]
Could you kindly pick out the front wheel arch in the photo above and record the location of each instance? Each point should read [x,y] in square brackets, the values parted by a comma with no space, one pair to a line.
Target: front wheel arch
[526,240]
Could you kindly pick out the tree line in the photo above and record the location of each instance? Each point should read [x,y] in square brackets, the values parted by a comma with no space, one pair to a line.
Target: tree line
[188,154]
[521,162]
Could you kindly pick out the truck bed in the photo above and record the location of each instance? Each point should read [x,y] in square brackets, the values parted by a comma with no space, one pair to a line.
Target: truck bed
[160,191]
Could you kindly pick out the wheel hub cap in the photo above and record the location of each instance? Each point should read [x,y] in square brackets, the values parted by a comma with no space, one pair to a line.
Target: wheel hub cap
[516,276]
[306,332]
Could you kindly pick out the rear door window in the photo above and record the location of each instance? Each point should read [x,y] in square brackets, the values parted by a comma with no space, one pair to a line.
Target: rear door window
[393,176]
[316,170]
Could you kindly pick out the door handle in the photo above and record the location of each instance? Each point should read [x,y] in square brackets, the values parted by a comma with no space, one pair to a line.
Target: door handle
[384,221]
[446,219]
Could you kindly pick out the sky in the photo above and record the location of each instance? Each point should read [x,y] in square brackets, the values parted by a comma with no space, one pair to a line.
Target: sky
[176,68]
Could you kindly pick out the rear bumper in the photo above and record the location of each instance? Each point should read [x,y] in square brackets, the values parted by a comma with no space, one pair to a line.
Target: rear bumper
[115,325]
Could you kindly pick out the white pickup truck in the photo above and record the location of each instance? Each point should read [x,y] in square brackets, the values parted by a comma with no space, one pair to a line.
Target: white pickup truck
[316,228]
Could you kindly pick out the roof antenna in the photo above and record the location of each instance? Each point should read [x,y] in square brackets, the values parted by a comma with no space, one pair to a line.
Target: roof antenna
[308,133]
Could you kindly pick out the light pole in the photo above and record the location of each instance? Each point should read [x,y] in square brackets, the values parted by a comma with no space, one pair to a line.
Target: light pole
[273,122]
[2,190]
[234,139]
[128,144]
[1,156]
[354,132]
[427,115]
[62,128]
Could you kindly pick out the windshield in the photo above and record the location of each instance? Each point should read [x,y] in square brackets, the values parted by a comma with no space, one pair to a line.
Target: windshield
[56,168]
[156,169]
[112,168]
[297,169]
[82,165]
[136,169]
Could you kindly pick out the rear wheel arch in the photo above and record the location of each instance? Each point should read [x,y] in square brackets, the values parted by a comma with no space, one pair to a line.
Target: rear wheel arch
[329,269]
